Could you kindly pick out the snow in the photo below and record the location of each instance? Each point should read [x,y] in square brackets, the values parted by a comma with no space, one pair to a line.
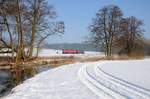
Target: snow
[53,52]
[136,72]
[4,50]
[59,83]
[91,80]
[121,82]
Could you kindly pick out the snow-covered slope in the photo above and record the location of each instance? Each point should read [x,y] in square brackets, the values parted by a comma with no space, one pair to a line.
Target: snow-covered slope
[97,80]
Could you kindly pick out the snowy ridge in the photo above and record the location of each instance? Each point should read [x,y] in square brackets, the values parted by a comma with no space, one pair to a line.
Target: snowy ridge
[107,86]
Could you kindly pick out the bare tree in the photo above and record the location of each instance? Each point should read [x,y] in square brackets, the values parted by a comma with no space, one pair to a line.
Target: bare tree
[6,25]
[131,37]
[55,28]
[27,22]
[105,27]
[39,17]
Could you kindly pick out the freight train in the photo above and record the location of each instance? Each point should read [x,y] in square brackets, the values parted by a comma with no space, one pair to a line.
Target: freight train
[70,51]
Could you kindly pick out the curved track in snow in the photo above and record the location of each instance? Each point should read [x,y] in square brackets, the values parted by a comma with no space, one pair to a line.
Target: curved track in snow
[108,86]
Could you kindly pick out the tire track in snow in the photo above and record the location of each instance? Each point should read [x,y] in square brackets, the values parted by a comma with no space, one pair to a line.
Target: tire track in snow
[102,94]
[107,86]
[123,87]
[96,86]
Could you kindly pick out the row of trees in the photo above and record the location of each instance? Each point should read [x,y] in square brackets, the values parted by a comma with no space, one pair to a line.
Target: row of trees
[110,30]
[25,24]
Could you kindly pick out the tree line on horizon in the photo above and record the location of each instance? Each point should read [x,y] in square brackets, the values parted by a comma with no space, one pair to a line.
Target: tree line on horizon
[110,31]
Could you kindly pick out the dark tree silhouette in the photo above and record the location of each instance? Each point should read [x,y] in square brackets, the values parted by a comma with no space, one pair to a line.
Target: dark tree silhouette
[131,37]
[105,27]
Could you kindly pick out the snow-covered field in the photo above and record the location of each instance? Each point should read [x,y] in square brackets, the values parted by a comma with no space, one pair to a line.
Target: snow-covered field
[53,52]
[95,80]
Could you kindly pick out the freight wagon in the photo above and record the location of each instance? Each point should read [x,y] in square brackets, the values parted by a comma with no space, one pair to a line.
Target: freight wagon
[70,51]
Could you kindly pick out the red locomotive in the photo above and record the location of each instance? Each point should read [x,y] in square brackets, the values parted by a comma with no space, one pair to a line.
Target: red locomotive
[70,51]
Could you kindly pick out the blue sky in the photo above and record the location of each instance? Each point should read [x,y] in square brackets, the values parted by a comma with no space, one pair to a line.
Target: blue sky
[77,15]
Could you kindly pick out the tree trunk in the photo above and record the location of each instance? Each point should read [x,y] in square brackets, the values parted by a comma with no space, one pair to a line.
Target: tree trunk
[32,42]
[20,47]
[20,43]
[33,29]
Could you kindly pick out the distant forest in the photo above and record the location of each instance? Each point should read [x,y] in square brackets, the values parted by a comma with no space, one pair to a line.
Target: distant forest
[76,46]
[88,47]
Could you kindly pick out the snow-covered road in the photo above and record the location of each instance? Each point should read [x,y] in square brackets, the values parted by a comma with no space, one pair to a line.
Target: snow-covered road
[93,80]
